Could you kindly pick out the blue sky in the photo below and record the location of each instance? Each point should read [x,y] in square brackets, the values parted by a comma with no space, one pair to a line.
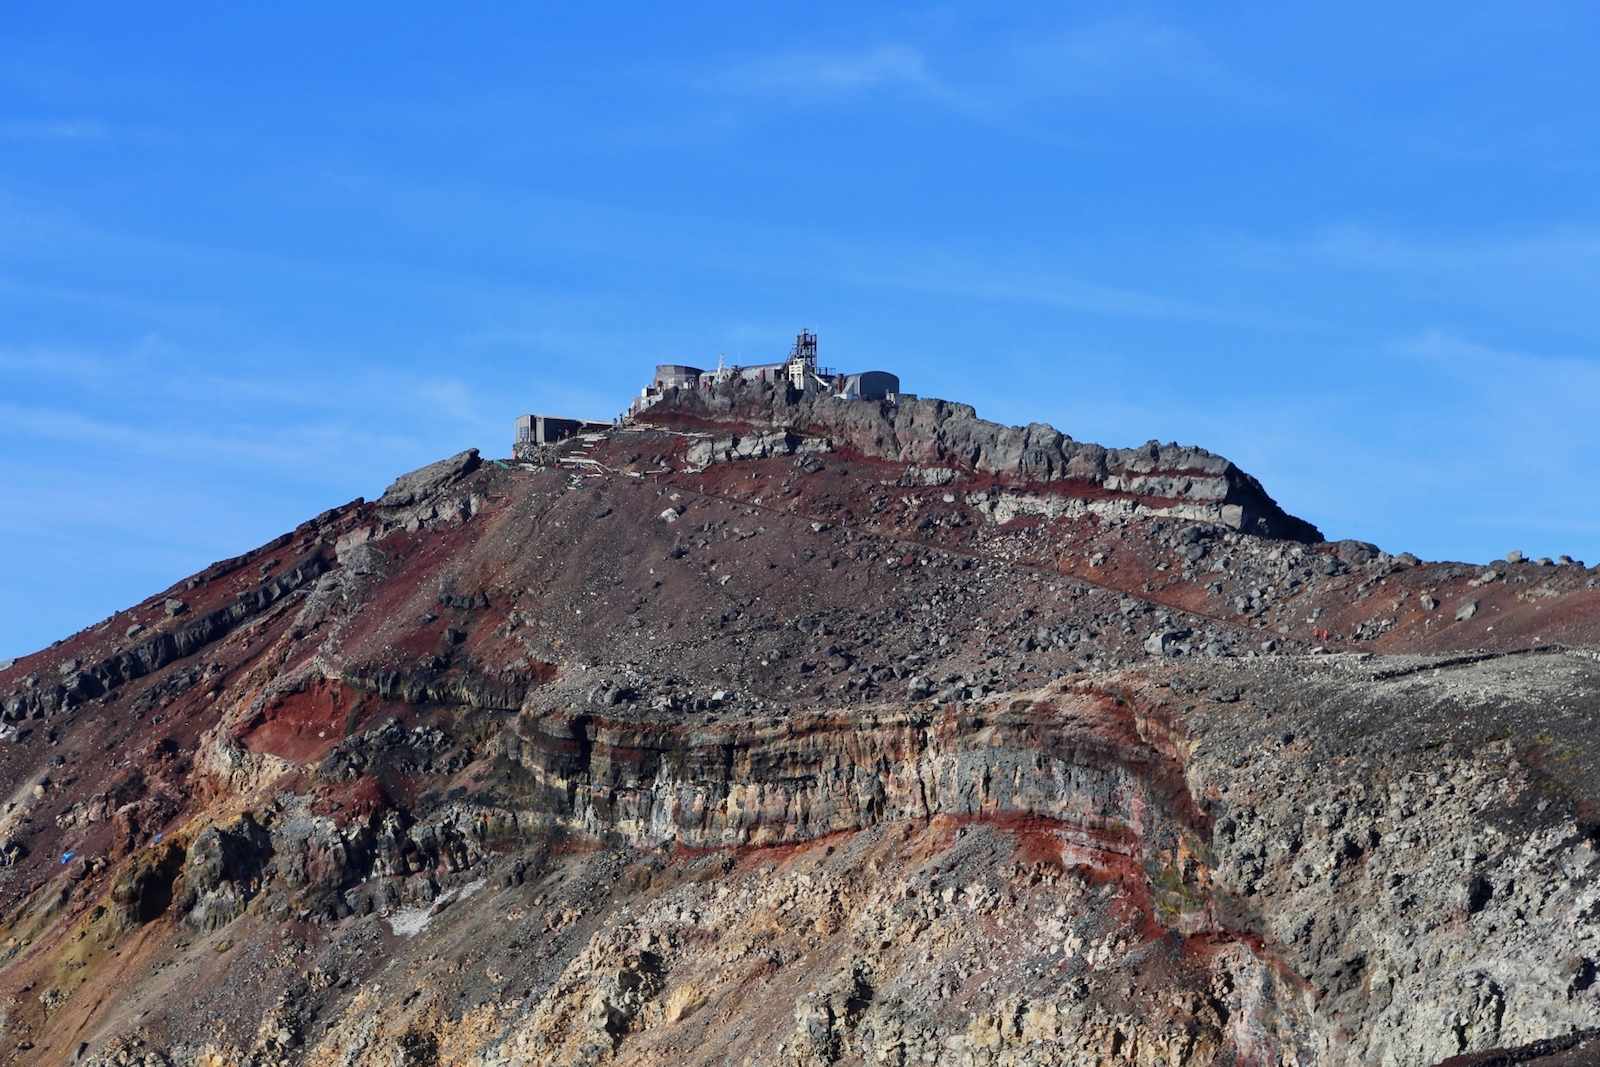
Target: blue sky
[255,262]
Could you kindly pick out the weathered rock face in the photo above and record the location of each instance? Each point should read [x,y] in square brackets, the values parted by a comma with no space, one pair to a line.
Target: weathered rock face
[429,482]
[81,685]
[787,744]
[942,438]
[1072,759]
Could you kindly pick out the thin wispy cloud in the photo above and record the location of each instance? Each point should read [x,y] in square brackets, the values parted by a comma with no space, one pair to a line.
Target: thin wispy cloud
[889,71]
[303,445]
[999,82]
[1047,285]
[1506,378]
[158,384]
[819,74]
[1112,54]
[52,130]
[1564,248]
[1091,56]
[1053,291]
[152,406]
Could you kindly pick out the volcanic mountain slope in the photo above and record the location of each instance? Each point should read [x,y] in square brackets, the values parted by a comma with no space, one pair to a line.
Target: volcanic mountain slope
[783,731]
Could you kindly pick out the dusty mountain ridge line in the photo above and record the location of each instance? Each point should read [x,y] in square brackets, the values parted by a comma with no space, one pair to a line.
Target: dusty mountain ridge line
[439,476]
[151,655]
[825,768]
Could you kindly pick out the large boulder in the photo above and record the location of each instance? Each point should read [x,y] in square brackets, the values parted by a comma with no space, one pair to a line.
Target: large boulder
[419,485]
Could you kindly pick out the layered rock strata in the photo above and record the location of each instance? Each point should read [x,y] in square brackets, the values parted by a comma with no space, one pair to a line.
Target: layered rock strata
[942,439]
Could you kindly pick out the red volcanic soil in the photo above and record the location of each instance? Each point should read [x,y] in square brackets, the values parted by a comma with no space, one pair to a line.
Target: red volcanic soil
[302,726]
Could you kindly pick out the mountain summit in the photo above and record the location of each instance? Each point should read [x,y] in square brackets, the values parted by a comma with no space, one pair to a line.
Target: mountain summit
[794,724]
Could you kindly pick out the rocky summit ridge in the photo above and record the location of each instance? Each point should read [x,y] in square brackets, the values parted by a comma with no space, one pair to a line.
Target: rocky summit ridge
[772,728]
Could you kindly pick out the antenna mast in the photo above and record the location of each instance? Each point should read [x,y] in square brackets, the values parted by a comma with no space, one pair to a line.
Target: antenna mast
[802,365]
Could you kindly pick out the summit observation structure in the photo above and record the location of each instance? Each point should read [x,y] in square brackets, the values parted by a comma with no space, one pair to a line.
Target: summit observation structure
[800,371]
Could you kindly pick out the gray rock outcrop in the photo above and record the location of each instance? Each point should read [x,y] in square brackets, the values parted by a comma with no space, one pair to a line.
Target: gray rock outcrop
[423,483]
[939,434]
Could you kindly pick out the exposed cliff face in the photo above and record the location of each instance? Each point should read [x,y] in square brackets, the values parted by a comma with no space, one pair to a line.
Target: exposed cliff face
[793,752]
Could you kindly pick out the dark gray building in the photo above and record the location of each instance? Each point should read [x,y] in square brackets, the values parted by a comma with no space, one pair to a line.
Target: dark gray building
[548,429]
[676,376]
[870,385]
